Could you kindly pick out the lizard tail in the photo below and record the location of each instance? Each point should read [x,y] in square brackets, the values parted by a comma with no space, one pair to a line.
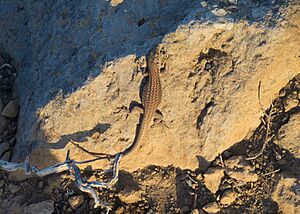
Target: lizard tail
[141,129]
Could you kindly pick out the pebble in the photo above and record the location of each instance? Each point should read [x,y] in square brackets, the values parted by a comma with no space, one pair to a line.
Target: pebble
[76,201]
[41,184]
[243,176]
[92,203]
[12,141]
[228,197]
[195,211]
[204,4]
[96,135]
[219,12]
[2,182]
[131,197]
[184,209]
[120,210]
[211,208]
[212,178]
[13,188]
[11,110]
[6,156]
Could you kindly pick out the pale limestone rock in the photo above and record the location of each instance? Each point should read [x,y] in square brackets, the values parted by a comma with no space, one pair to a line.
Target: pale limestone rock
[287,195]
[211,208]
[289,136]
[240,169]
[76,201]
[212,178]
[228,197]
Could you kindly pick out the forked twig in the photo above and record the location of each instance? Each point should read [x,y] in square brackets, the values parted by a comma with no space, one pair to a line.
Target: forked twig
[71,166]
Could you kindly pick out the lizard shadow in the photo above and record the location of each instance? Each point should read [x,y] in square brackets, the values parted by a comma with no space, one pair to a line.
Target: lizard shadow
[80,136]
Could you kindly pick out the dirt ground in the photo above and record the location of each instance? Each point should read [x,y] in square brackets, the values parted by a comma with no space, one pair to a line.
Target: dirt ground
[231,143]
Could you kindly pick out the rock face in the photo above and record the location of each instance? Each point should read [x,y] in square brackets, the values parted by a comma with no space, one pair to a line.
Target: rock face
[287,195]
[80,64]
[289,136]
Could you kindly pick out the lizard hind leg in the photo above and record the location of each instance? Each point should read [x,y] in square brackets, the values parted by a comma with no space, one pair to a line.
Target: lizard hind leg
[158,119]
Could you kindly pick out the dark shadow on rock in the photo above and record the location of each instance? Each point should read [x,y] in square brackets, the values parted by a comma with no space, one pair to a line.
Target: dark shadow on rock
[203,164]
[80,136]
[126,182]
[188,196]
[273,155]
[60,46]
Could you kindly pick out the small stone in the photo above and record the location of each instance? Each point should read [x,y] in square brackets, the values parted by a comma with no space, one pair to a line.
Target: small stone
[6,156]
[291,103]
[11,110]
[219,12]
[2,182]
[76,201]
[1,192]
[237,162]
[41,184]
[228,197]
[13,188]
[131,197]
[243,176]
[45,207]
[211,208]
[120,210]
[96,135]
[92,203]
[69,210]
[204,4]
[195,211]
[184,209]
[3,123]
[212,178]
[12,141]
[114,3]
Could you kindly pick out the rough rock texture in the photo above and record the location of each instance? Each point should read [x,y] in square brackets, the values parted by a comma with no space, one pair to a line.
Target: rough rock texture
[287,195]
[45,207]
[79,58]
[11,110]
[76,201]
[212,179]
[240,169]
[289,136]
[228,197]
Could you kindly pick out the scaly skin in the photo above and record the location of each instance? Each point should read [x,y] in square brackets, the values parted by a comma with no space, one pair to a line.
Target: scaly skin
[151,99]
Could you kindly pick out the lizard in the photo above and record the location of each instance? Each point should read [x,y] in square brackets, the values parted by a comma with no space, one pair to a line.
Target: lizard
[151,98]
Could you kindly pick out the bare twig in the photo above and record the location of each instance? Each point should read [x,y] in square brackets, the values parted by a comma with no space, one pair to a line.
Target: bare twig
[272,172]
[71,166]
[266,123]
[5,65]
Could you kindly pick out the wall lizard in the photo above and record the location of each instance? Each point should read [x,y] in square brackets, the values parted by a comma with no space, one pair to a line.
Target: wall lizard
[151,98]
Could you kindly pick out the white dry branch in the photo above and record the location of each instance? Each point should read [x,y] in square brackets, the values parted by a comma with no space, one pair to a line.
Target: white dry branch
[71,166]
